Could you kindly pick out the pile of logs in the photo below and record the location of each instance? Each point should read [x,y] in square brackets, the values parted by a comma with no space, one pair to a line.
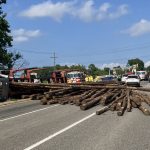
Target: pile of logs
[112,96]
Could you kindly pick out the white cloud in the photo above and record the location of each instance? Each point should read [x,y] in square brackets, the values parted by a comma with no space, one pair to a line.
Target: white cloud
[48,8]
[87,11]
[22,35]
[104,7]
[140,28]
[20,39]
[122,10]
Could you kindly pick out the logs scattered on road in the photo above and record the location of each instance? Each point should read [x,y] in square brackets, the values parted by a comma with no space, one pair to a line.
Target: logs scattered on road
[113,96]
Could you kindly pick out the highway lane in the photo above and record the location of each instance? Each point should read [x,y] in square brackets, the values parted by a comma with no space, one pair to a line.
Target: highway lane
[105,132]
[21,132]
[145,84]
[108,131]
[19,108]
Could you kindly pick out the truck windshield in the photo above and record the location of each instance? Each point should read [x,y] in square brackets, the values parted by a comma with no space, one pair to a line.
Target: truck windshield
[143,72]
[74,75]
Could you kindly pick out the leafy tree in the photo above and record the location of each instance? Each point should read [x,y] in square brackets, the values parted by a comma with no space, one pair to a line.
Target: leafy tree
[118,70]
[59,67]
[148,68]
[93,70]
[6,58]
[140,63]
[78,67]
[107,70]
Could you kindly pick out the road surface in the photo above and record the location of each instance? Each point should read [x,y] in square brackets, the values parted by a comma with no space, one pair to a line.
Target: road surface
[29,125]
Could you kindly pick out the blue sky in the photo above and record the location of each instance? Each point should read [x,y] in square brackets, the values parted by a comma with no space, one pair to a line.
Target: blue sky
[103,32]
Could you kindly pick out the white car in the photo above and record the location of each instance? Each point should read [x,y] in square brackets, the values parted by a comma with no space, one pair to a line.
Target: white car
[133,80]
[124,77]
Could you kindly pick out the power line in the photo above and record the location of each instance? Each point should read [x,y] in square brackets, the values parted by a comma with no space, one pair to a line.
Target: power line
[112,51]
[35,52]
[54,58]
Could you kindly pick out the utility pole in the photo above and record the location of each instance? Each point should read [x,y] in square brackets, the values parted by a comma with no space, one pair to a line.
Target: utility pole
[54,59]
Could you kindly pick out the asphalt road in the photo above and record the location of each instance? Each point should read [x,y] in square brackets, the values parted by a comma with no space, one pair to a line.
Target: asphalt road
[30,125]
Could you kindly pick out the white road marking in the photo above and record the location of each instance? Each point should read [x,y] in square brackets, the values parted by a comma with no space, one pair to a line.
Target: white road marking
[59,132]
[28,113]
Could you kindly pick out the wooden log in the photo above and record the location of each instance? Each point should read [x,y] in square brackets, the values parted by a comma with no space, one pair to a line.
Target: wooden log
[133,104]
[105,98]
[25,96]
[72,93]
[140,107]
[78,99]
[145,98]
[81,86]
[66,84]
[57,93]
[98,93]
[91,92]
[118,106]
[43,101]
[129,107]
[60,90]
[106,108]
[144,110]
[63,102]
[52,102]
[102,110]
[113,107]
[123,107]
[136,100]
[34,96]
[90,104]
[114,96]
[39,97]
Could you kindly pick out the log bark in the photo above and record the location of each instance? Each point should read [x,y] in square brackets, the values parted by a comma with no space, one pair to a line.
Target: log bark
[106,108]
[145,98]
[90,104]
[106,98]
[129,107]
[123,107]
[144,110]
[140,107]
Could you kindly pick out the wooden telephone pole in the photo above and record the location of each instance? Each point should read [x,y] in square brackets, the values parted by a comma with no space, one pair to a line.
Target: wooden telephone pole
[54,59]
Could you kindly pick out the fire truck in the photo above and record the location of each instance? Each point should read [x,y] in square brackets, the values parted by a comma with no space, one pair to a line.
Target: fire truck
[24,74]
[75,77]
[68,76]
[37,75]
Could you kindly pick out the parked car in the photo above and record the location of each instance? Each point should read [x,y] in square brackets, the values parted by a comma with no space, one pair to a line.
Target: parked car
[124,77]
[133,80]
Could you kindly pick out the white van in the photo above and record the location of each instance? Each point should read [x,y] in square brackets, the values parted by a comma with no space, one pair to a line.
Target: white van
[142,75]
